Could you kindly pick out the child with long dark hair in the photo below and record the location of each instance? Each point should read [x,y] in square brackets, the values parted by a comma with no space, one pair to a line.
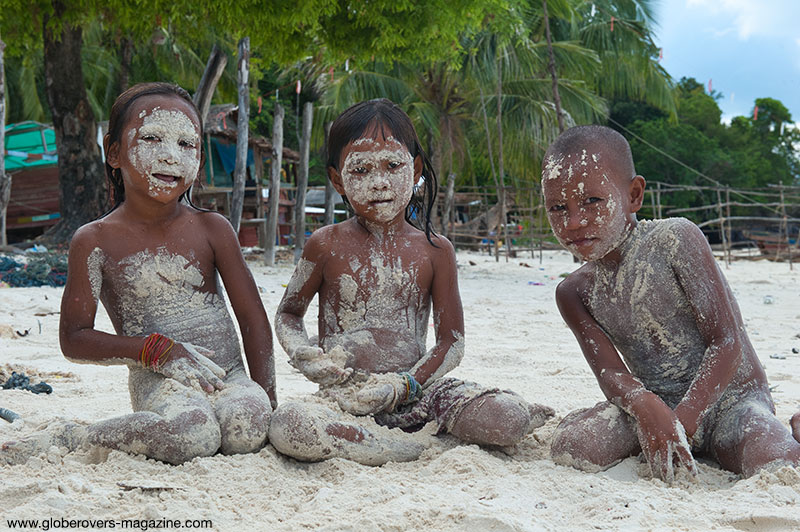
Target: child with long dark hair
[155,262]
[377,276]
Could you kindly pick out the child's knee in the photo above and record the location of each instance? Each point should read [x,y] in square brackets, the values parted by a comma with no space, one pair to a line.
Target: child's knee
[190,435]
[501,419]
[795,424]
[245,426]
[593,439]
[293,431]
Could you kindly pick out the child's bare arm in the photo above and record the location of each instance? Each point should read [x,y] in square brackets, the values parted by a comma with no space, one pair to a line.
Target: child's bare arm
[306,280]
[245,301]
[716,317]
[659,431]
[448,317]
[82,343]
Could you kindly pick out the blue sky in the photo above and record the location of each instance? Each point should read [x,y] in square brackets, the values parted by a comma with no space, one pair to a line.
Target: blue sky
[748,48]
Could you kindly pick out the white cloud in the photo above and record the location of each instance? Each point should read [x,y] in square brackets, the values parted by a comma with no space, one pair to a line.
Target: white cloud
[772,18]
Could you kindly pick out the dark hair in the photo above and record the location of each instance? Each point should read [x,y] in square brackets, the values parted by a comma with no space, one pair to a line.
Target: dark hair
[119,117]
[383,114]
[576,138]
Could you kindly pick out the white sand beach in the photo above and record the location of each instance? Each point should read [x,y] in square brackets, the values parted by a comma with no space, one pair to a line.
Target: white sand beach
[515,339]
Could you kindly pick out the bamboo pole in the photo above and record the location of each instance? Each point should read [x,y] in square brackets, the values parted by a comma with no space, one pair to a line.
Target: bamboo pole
[728,215]
[302,182]
[275,185]
[5,179]
[242,122]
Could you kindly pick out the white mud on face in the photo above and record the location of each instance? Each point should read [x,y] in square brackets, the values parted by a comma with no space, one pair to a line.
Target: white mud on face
[378,177]
[167,144]
[605,221]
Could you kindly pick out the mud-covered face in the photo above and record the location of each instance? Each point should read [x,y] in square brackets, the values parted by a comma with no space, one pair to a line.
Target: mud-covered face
[160,146]
[377,175]
[586,206]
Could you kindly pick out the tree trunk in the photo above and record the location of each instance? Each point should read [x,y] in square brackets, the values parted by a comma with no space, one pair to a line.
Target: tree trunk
[494,175]
[302,182]
[82,183]
[449,208]
[330,204]
[500,166]
[208,83]
[552,68]
[274,185]
[240,170]
[5,180]
[125,57]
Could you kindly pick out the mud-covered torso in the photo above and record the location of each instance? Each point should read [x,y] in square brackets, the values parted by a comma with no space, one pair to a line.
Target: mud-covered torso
[157,290]
[376,303]
[646,313]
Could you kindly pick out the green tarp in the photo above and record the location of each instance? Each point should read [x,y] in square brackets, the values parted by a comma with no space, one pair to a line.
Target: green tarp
[28,145]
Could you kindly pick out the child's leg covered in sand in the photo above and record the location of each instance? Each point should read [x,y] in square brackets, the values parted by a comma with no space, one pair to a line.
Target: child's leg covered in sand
[747,437]
[594,439]
[312,432]
[795,424]
[472,413]
[172,423]
[243,411]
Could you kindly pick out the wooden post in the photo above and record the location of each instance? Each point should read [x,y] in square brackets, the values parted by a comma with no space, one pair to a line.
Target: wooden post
[330,204]
[722,228]
[658,200]
[728,217]
[275,185]
[784,230]
[5,180]
[210,159]
[653,202]
[449,207]
[302,182]
[240,171]
[258,161]
[208,83]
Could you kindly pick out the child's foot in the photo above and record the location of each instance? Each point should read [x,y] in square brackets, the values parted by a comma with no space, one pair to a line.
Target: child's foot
[539,415]
[59,433]
[795,424]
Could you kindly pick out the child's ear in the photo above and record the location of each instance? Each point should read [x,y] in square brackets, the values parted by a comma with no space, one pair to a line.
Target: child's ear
[112,152]
[336,180]
[636,193]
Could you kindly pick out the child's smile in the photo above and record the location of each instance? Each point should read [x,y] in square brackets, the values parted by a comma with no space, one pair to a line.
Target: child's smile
[378,177]
[161,145]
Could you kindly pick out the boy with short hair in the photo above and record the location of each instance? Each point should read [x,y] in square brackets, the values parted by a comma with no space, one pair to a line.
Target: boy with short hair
[657,323]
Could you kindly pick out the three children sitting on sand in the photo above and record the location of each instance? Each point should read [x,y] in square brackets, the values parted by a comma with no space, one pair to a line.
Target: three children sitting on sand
[650,309]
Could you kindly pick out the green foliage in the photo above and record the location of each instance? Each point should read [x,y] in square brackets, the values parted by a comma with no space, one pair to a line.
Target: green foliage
[745,154]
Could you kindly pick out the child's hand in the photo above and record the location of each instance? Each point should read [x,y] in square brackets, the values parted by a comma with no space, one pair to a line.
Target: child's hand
[320,367]
[663,439]
[381,393]
[189,364]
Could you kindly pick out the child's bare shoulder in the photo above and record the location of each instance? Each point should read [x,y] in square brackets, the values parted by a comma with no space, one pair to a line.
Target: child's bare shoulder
[210,220]
[576,284]
[327,239]
[93,234]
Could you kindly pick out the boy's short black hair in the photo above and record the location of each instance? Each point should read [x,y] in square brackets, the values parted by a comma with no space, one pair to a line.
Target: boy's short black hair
[578,137]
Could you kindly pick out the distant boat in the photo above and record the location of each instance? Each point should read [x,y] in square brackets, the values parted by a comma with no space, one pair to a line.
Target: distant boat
[773,245]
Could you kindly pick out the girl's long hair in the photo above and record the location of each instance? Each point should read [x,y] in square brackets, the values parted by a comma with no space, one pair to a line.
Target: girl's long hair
[384,115]
[116,124]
